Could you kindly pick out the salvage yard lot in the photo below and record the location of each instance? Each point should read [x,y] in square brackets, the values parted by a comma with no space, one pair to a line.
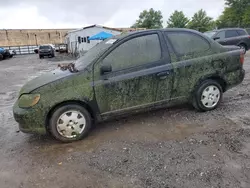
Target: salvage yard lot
[176,147]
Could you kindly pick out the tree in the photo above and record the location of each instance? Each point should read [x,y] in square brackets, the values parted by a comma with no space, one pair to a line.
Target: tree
[246,18]
[149,19]
[235,14]
[177,20]
[201,22]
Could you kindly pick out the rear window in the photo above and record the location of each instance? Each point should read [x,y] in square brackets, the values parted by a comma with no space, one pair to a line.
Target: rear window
[242,32]
[44,47]
[231,33]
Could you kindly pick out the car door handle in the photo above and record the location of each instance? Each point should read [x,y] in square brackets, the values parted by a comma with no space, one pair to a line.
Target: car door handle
[163,75]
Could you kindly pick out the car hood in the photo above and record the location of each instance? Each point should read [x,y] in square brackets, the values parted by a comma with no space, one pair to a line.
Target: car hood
[44,79]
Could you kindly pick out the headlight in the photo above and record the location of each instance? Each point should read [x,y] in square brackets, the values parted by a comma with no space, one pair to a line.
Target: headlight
[28,100]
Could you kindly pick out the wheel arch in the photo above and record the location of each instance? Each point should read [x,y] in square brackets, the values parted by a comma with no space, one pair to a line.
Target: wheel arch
[243,43]
[217,78]
[77,102]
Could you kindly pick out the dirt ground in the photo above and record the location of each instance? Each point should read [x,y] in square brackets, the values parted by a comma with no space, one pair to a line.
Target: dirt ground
[171,148]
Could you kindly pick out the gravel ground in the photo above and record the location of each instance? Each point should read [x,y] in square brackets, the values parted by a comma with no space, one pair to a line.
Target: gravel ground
[176,147]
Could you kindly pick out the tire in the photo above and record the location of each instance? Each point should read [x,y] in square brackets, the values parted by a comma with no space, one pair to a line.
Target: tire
[207,96]
[1,57]
[71,113]
[243,47]
[40,56]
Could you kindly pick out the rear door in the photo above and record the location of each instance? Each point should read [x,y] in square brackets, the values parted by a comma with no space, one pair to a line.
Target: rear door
[191,58]
[140,77]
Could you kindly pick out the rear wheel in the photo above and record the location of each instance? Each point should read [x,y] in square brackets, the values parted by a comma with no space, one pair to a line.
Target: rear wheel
[207,96]
[243,47]
[70,123]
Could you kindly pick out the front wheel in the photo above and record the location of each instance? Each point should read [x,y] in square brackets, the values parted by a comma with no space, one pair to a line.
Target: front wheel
[70,122]
[208,95]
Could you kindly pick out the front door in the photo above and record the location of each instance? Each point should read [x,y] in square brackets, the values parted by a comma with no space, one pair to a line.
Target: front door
[140,67]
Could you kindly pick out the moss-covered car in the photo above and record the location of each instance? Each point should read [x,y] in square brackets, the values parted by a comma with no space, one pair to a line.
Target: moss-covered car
[127,74]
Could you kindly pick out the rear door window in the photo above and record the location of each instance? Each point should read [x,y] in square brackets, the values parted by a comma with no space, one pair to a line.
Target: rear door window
[185,43]
[231,33]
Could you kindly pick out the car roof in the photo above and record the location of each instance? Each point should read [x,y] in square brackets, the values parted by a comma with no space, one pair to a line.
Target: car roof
[45,45]
[225,29]
[151,30]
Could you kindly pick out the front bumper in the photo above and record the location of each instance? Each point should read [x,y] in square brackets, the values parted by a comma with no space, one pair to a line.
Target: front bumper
[30,120]
[45,53]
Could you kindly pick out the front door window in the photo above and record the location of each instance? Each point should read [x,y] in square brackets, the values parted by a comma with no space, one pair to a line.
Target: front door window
[135,52]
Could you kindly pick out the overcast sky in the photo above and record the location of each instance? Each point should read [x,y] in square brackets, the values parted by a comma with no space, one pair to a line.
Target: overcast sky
[29,14]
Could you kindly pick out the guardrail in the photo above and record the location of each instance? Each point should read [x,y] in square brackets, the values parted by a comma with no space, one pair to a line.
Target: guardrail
[22,50]
[29,49]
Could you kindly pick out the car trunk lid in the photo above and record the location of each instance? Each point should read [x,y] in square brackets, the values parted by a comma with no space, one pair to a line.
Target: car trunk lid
[231,48]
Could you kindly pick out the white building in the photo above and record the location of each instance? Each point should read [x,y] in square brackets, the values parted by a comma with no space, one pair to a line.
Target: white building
[77,40]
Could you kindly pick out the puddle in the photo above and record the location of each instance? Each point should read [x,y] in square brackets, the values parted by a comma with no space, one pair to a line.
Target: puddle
[7,98]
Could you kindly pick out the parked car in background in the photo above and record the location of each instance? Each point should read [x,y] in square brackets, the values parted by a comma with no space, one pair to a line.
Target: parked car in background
[231,36]
[5,53]
[46,50]
[12,52]
[63,48]
[36,50]
[127,74]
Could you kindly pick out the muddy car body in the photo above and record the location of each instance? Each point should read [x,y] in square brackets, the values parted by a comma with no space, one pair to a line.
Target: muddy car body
[128,74]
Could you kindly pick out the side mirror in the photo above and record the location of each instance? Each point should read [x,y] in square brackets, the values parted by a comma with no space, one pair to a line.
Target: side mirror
[216,38]
[105,69]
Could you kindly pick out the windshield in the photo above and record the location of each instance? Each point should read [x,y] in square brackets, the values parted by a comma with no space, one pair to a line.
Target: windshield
[44,47]
[210,33]
[93,53]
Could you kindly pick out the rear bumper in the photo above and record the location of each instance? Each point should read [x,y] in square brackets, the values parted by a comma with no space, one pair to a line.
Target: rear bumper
[234,78]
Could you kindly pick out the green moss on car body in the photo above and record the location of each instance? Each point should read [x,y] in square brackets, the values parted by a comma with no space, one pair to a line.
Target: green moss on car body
[128,90]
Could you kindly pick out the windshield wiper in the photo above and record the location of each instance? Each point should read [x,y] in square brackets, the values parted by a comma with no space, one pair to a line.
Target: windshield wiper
[71,67]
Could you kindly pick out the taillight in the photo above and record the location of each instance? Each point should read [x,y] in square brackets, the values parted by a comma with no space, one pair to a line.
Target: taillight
[248,36]
[242,57]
